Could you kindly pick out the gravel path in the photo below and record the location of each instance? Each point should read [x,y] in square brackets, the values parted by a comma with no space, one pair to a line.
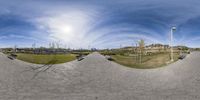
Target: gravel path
[95,78]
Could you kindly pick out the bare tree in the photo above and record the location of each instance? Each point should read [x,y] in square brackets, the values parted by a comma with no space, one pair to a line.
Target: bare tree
[49,45]
[53,45]
[141,48]
[57,45]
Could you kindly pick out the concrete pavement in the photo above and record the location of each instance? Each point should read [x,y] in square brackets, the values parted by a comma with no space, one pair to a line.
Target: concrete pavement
[95,78]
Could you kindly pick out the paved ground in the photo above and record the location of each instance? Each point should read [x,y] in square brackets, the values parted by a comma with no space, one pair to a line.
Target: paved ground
[95,78]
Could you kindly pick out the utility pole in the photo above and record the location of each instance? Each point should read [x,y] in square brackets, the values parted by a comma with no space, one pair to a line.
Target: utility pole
[140,56]
[120,46]
[89,47]
[136,51]
[33,47]
[132,49]
[171,43]
[15,47]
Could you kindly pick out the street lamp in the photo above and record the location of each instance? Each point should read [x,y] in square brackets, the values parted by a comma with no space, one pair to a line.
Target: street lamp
[171,42]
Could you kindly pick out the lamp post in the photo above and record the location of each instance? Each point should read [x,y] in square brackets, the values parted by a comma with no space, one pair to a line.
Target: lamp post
[171,42]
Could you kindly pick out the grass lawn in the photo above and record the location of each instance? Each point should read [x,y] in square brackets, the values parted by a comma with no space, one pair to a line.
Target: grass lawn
[46,59]
[148,61]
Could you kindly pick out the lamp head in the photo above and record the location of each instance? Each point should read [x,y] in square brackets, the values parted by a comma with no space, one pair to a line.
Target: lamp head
[173,28]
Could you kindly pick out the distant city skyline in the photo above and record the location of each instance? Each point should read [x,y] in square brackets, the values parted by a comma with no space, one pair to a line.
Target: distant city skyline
[98,24]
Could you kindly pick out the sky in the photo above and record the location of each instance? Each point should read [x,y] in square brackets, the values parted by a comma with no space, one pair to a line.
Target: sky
[98,23]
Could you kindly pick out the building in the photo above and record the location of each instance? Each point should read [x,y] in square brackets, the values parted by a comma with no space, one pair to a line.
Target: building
[36,50]
[155,48]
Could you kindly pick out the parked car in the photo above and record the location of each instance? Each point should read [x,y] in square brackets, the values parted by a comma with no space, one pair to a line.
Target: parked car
[188,52]
[108,57]
[80,57]
[12,56]
[182,56]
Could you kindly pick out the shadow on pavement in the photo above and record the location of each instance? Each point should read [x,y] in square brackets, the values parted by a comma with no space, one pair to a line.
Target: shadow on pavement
[41,68]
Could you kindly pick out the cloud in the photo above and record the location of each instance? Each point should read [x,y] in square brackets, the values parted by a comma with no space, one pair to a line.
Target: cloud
[3,37]
[100,24]
[69,28]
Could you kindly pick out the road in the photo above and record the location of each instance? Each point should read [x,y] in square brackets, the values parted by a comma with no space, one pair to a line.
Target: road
[95,78]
